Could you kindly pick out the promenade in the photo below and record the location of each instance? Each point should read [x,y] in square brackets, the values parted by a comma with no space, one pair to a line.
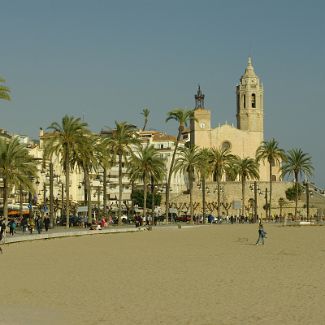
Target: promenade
[60,232]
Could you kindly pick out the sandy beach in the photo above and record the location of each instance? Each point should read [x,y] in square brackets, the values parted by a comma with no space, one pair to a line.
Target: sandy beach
[207,275]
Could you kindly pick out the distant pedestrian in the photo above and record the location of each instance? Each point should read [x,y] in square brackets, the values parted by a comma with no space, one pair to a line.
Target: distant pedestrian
[46,223]
[12,227]
[2,229]
[31,224]
[39,224]
[261,234]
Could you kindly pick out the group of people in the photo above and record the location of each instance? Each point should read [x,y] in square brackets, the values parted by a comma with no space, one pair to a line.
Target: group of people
[37,222]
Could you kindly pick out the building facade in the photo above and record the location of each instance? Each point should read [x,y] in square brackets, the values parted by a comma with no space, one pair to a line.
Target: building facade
[244,139]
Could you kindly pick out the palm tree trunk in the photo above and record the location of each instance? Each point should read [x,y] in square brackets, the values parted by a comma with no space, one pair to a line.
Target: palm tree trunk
[20,201]
[203,199]
[105,191]
[152,201]
[270,203]
[67,192]
[119,189]
[191,194]
[145,197]
[5,199]
[218,194]
[243,195]
[87,185]
[170,174]
[296,200]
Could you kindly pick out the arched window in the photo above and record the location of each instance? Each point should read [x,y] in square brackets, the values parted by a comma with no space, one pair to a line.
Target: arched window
[253,101]
[244,101]
[273,178]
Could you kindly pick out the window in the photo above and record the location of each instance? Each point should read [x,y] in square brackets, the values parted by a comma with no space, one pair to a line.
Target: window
[253,101]
[244,101]
[226,145]
[273,178]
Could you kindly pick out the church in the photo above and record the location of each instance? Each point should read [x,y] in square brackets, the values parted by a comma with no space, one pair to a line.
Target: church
[247,136]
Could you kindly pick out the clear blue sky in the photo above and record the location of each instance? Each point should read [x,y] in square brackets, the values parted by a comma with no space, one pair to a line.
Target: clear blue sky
[107,60]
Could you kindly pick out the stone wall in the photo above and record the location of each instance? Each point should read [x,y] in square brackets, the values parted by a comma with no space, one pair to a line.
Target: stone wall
[231,196]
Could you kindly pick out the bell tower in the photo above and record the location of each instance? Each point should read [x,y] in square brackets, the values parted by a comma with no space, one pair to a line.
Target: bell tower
[250,111]
[200,126]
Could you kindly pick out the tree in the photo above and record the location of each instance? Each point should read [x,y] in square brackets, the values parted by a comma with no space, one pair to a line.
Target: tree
[297,164]
[64,142]
[85,157]
[105,161]
[144,164]
[291,192]
[17,167]
[187,161]
[138,197]
[247,169]
[145,112]
[4,90]
[269,151]
[182,117]
[204,169]
[121,140]
[221,160]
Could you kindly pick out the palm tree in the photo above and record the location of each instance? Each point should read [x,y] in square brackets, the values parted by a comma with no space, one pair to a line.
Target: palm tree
[247,169]
[182,117]
[145,112]
[105,161]
[145,164]
[156,178]
[270,151]
[17,167]
[85,157]
[221,160]
[121,140]
[204,169]
[187,161]
[64,142]
[4,90]
[297,164]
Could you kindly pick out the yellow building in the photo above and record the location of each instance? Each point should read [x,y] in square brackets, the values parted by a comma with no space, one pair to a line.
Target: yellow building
[247,136]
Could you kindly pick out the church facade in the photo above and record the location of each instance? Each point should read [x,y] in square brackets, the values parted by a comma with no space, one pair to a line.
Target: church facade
[244,139]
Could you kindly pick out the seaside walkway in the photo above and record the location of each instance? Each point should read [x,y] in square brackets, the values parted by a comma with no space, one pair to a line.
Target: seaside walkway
[61,232]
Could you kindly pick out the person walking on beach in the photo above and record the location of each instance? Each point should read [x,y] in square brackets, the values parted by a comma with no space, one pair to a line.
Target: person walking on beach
[261,234]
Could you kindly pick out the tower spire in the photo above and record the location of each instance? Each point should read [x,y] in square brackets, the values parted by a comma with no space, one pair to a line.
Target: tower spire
[199,98]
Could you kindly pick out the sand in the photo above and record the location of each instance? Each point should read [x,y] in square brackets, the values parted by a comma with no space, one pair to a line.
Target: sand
[207,275]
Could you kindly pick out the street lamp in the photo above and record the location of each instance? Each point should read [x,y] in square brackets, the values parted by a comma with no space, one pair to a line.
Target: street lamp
[266,202]
[309,193]
[255,189]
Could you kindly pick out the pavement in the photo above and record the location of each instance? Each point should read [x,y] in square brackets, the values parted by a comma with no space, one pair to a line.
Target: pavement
[60,232]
